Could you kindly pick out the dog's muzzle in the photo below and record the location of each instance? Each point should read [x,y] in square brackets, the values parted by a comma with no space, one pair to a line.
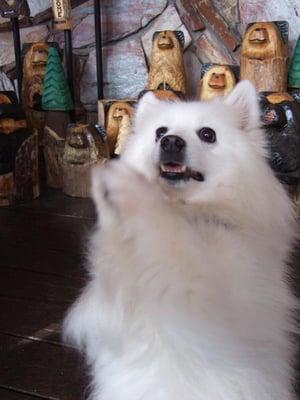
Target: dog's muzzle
[172,158]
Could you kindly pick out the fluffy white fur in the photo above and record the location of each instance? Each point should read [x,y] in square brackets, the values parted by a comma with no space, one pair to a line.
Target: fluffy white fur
[187,296]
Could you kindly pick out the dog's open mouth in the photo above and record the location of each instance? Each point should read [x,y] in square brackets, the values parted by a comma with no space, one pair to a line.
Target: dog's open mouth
[177,172]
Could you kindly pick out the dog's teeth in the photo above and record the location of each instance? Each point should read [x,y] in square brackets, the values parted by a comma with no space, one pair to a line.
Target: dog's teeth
[173,168]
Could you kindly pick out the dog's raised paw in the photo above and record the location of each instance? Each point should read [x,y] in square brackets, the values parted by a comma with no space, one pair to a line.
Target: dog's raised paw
[117,186]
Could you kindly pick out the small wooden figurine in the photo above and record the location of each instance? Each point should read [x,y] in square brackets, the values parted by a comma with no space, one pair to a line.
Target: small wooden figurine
[34,69]
[264,56]
[281,119]
[19,180]
[85,146]
[116,116]
[118,125]
[166,66]
[216,80]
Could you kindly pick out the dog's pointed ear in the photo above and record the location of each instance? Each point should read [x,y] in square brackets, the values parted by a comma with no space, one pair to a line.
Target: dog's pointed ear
[245,101]
[145,103]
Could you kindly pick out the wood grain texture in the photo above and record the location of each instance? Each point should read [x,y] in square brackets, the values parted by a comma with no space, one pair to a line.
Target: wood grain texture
[41,274]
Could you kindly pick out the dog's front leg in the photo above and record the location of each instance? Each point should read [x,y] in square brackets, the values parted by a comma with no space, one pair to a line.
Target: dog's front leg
[137,208]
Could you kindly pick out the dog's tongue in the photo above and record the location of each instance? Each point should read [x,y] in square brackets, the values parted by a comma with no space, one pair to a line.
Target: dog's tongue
[175,168]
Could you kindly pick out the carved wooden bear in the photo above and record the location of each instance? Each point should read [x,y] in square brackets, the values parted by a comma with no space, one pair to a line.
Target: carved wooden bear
[85,146]
[116,116]
[166,66]
[281,119]
[34,70]
[264,56]
[216,80]
[118,125]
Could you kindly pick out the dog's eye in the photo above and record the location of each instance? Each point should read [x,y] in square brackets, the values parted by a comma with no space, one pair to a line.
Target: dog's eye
[160,132]
[207,135]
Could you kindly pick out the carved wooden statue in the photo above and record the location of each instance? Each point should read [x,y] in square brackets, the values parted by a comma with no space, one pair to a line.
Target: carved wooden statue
[85,146]
[118,123]
[35,62]
[281,119]
[34,70]
[216,80]
[166,66]
[19,179]
[264,56]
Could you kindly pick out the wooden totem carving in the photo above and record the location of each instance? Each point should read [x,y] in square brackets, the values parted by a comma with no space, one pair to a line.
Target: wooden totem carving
[166,66]
[34,70]
[118,125]
[216,80]
[111,114]
[85,146]
[18,154]
[264,56]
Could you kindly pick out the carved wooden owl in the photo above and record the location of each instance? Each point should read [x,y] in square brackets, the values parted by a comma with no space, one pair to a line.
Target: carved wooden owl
[166,66]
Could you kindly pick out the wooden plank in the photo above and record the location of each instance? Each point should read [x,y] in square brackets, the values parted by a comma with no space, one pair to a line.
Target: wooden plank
[8,394]
[45,261]
[42,369]
[30,319]
[55,202]
[28,285]
[55,232]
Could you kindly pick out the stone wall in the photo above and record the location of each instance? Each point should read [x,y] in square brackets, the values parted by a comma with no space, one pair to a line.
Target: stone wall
[212,28]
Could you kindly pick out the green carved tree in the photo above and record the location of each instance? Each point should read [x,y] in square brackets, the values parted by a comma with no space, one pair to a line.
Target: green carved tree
[57,96]
[294,71]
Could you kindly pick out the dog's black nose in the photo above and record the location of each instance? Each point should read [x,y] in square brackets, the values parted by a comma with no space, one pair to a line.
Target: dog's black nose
[172,144]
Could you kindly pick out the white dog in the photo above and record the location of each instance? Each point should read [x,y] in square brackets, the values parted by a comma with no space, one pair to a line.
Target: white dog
[187,296]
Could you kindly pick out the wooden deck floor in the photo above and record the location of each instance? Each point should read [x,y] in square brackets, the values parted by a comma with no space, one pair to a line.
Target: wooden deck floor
[40,275]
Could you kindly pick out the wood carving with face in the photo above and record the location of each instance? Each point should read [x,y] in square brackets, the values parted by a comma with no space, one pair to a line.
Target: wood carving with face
[34,69]
[219,80]
[264,57]
[118,120]
[166,66]
[84,147]
[280,114]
